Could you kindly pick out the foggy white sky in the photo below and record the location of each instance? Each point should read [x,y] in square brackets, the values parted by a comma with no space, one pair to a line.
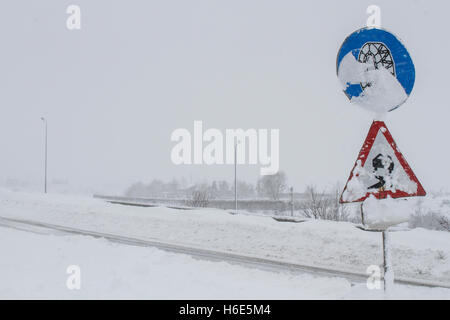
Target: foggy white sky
[114,91]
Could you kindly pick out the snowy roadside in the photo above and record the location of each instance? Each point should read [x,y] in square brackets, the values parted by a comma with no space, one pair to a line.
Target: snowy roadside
[36,265]
[419,253]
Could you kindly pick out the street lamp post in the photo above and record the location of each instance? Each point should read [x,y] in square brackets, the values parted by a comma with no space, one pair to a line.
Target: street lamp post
[235,177]
[45,168]
[292,201]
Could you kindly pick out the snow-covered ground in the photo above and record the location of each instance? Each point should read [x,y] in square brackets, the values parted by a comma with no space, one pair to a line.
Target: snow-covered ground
[34,266]
[419,253]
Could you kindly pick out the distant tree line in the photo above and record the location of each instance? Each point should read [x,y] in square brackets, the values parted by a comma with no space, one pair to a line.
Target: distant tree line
[268,187]
[314,203]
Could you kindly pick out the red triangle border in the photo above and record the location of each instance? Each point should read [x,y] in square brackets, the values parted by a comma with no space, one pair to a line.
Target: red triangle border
[363,154]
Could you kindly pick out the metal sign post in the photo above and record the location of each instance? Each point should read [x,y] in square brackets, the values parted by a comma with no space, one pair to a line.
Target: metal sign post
[388,279]
[377,74]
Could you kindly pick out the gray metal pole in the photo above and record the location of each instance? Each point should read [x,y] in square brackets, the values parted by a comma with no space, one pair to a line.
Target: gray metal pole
[388,278]
[362,214]
[235,177]
[292,201]
[45,165]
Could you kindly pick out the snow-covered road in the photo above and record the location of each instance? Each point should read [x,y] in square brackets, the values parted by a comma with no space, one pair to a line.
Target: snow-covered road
[419,254]
[35,266]
[210,255]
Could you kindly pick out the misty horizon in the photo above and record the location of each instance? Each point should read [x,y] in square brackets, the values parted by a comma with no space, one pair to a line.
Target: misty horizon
[115,90]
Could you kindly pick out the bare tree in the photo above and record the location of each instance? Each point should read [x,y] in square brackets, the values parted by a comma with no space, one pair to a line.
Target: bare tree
[272,185]
[428,219]
[445,223]
[316,203]
[337,210]
[200,196]
[199,199]
[323,205]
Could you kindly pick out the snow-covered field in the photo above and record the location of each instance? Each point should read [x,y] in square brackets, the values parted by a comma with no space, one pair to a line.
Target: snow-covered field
[34,266]
[38,262]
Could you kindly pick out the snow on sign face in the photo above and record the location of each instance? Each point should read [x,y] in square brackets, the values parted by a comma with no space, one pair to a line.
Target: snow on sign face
[375,70]
[380,170]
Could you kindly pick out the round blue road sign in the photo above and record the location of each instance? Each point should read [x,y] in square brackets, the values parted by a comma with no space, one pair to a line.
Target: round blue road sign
[375,69]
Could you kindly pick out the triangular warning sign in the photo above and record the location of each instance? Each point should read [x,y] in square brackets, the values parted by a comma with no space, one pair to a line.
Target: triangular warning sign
[380,170]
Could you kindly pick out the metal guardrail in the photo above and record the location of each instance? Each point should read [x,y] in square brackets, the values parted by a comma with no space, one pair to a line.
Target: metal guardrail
[249,205]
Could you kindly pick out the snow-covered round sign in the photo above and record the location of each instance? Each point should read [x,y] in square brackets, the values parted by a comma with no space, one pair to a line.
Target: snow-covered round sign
[375,70]
[380,170]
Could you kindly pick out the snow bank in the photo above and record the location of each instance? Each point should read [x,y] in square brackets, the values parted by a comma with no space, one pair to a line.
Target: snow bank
[383,92]
[36,268]
[383,213]
[421,254]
